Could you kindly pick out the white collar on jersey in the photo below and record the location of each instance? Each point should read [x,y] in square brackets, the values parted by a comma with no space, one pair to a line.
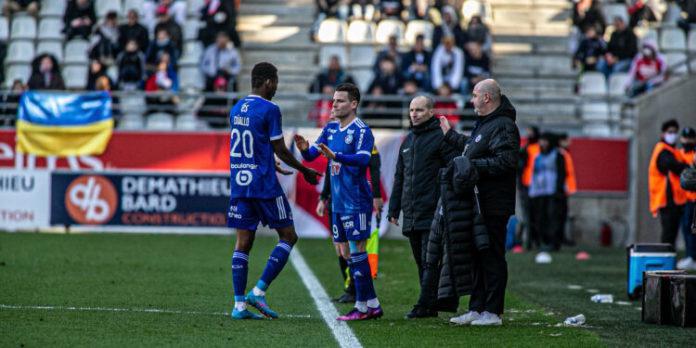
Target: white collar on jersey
[348,125]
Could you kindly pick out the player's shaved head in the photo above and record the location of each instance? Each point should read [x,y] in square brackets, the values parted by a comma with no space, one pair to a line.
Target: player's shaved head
[263,72]
[490,87]
[429,104]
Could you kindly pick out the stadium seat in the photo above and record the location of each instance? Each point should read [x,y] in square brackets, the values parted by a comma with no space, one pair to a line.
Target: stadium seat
[593,83]
[595,111]
[131,122]
[75,52]
[193,50]
[363,78]
[102,7]
[328,51]
[191,78]
[190,29]
[672,15]
[672,39]
[617,84]
[387,28]
[415,27]
[20,51]
[612,10]
[646,34]
[132,103]
[51,29]
[186,122]
[472,8]
[331,30]
[23,28]
[112,73]
[362,56]
[193,8]
[160,121]
[597,130]
[75,76]
[17,71]
[133,4]
[52,8]
[4,29]
[674,58]
[54,48]
[360,31]
[691,41]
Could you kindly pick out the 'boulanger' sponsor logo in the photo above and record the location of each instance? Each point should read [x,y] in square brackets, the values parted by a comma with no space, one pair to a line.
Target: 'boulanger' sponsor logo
[91,199]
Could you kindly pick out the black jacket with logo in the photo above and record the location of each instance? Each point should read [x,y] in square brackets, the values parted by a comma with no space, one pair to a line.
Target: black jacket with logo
[415,190]
[493,150]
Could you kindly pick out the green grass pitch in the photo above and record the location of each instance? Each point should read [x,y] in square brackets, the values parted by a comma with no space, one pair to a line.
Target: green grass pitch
[175,290]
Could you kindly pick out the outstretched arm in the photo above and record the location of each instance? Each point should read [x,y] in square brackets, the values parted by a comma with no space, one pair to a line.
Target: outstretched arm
[310,175]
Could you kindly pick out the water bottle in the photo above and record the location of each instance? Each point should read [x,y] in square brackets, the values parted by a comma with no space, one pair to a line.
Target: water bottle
[576,320]
[602,298]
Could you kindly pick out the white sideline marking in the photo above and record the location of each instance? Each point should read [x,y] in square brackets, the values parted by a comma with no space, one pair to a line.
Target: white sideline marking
[143,310]
[341,331]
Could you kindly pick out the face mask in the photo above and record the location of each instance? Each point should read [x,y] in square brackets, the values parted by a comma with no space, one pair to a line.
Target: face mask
[671,138]
[647,52]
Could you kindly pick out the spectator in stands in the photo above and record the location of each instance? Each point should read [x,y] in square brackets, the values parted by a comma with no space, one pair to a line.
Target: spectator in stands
[321,111]
[591,49]
[97,70]
[45,74]
[623,46]
[334,75]
[165,21]
[157,48]
[391,50]
[449,26]
[219,15]
[647,70]
[588,13]
[78,19]
[363,9]
[324,9]
[10,102]
[477,66]
[166,82]
[132,30]
[220,60]
[215,108]
[416,62]
[409,90]
[688,7]
[447,64]
[388,77]
[478,32]
[547,194]
[419,9]
[176,8]
[644,10]
[391,9]
[446,105]
[9,7]
[131,66]
[104,43]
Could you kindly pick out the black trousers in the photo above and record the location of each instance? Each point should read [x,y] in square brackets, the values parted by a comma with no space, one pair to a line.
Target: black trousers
[670,217]
[419,247]
[490,269]
[547,221]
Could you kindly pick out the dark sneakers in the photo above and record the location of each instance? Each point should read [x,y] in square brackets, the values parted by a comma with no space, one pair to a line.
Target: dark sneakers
[345,298]
[421,312]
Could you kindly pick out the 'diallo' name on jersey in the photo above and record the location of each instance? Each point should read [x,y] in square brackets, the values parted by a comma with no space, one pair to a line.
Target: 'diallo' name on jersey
[241,121]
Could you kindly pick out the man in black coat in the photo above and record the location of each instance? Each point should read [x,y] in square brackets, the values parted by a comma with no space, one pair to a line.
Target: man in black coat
[415,190]
[493,149]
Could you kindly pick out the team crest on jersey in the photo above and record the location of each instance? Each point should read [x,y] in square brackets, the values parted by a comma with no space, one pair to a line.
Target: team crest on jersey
[349,138]
[245,107]
[478,138]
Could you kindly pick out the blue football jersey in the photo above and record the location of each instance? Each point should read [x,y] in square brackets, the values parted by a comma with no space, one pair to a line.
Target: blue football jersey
[350,189]
[255,123]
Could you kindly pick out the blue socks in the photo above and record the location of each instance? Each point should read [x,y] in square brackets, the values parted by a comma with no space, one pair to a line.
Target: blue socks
[360,267]
[276,262]
[240,270]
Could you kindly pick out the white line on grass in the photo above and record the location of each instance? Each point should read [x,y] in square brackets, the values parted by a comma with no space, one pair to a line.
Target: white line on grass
[343,334]
[142,310]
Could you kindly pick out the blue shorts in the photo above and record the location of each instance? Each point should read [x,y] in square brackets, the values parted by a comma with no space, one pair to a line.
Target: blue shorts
[246,213]
[347,227]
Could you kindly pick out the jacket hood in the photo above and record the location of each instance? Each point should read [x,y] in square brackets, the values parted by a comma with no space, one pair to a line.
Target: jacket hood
[504,110]
[430,124]
[36,63]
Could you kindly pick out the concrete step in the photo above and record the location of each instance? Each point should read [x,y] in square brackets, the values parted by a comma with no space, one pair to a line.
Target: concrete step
[256,21]
[528,3]
[541,63]
[554,29]
[277,34]
[523,15]
[285,9]
[280,57]
[511,48]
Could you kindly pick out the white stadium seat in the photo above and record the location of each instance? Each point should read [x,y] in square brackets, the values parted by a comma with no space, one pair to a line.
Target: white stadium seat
[20,52]
[328,51]
[186,122]
[131,122]
[362,55]
[133,5]
[363,78]
[52,8]
[193,50]
[190,29]
[672,39]
[23,28]
[597,130]
[76,52]
[612,10]
[54,48]
[331,30]
[102,7]
[75,76]
[191,78]
[160,121]
[360,31]
[595,111]
[51,29]
[388,27]
[593,83]
[17,72]
[617,84]
[674,58]
[415,27]
[4,29]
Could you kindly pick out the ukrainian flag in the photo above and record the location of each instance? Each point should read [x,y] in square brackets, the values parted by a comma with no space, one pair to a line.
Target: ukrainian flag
[64,124]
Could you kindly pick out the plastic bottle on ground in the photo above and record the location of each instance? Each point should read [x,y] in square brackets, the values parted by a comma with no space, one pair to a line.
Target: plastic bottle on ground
[576,320]
[602,298]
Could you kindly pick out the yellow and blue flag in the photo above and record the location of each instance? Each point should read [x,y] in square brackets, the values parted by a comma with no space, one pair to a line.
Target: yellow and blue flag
[64,124]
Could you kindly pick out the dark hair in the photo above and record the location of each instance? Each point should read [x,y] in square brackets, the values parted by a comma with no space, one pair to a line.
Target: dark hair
[261,72]
[670,123]
[351,89]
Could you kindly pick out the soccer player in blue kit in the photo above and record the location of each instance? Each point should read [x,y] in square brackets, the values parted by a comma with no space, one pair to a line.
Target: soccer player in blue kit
[347,143]
[256,195]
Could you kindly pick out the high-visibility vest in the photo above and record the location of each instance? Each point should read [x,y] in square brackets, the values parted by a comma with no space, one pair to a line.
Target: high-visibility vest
[571,185]
[688,158]
[532,153]
[658,181]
